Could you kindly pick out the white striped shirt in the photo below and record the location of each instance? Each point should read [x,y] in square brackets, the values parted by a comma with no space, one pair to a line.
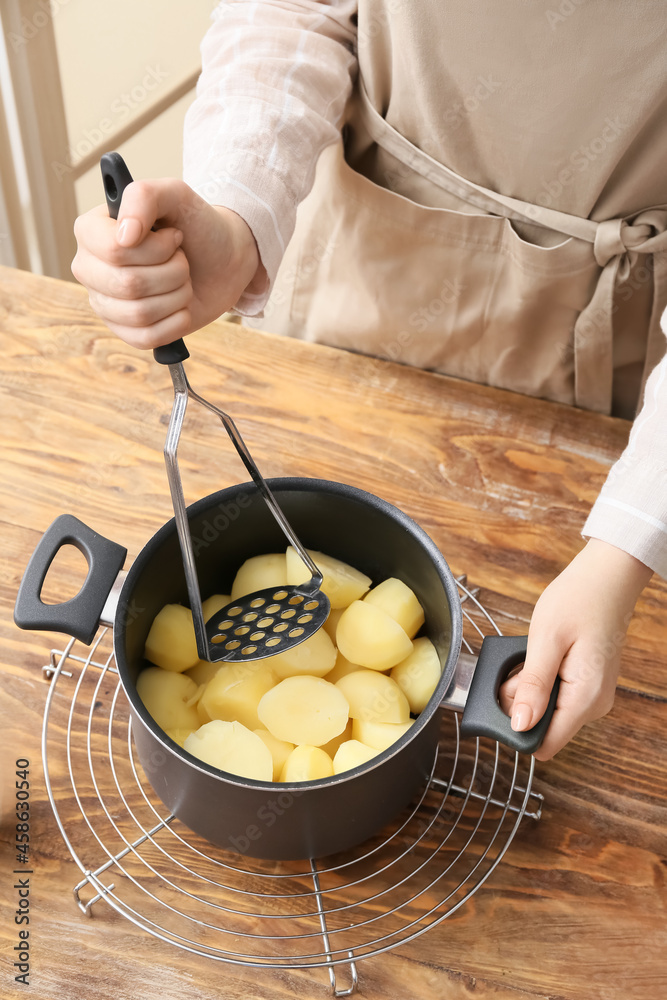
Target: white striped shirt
[276,77]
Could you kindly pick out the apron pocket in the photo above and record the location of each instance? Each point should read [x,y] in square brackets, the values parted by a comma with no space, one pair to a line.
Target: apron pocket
[459,293]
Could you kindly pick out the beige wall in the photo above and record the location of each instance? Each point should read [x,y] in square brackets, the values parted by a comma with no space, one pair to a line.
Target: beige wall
[115,60]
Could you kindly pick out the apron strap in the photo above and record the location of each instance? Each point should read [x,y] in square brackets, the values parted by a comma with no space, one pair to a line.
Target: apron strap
[655,347]
[613,240]
[492,203]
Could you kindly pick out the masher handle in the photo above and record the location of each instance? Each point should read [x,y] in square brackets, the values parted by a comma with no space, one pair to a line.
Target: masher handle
[116,178]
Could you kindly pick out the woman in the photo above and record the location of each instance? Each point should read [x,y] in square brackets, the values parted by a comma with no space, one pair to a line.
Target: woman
[490,202]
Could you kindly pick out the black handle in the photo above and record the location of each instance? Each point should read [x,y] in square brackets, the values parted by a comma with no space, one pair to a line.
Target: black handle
[79,616]
[482,715]
[116,178]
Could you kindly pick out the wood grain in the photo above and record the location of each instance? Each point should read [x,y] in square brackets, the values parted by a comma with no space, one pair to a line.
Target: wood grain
[576,909]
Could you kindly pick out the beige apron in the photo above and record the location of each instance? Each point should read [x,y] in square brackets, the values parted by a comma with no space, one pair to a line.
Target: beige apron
[405,249]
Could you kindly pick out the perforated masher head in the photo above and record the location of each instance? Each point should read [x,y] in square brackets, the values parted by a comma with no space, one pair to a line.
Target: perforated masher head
[267,622]
[262,623]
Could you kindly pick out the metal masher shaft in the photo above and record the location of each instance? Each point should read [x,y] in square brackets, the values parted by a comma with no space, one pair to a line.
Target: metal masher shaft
[116,178]
[182,390]
[263,487]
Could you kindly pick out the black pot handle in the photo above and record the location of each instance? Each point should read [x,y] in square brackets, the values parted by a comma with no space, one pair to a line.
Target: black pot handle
[116,177]
[79,616]
[482,715]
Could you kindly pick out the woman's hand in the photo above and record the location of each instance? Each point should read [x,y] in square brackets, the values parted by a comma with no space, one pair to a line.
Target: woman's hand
[152,287]
[577,630]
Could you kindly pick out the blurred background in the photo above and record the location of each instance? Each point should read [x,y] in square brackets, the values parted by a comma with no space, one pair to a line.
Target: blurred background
[78,78]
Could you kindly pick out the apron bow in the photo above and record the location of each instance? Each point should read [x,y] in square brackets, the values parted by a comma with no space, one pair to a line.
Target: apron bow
[617,242]
[614,241]
[615,237]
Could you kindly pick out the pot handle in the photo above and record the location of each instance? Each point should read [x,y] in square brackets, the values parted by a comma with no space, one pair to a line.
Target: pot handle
[79,616]
[482,715]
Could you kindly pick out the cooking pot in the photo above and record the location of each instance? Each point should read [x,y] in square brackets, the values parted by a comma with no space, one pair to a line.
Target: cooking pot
[264,819]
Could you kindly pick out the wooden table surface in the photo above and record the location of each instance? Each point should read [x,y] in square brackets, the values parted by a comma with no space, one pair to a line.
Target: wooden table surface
[577,907]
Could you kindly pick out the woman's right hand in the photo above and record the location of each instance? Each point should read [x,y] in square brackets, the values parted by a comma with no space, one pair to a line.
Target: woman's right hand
[152,287]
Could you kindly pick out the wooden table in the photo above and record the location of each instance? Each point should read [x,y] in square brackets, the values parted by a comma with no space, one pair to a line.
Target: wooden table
[577,907]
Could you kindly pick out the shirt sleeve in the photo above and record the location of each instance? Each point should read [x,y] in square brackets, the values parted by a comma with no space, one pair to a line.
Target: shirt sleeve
[275,80]
[631,510]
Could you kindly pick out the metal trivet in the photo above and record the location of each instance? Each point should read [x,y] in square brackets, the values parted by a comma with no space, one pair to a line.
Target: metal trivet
[329,913]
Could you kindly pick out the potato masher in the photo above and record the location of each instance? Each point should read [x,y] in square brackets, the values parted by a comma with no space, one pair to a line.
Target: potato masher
[265,622]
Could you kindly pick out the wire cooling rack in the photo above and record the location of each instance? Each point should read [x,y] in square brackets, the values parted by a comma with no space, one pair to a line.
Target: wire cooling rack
[330,913]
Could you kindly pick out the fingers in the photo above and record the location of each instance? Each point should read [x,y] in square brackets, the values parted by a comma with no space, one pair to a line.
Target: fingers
[578,703]
[132,281]
[144,203]
[587,686]
[507,692]
[165,331]
[544,655]
[565,723]
[142,292]
[97,236]
[141,312]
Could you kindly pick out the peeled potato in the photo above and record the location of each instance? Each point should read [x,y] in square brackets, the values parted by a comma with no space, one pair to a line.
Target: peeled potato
[169,698]
[202,714]
[179,735]
[400,603]
[307,763]
[316,656]
[259,573]
[367,635]
[379,735]
[418,675]
[279,750]
[374,697]
[304,709]
[203,671]
[341,668]
[171,640]
[231,747]
[333,744]
[215,603]
[235,691]
[352,754]
[341,583]
[331,623]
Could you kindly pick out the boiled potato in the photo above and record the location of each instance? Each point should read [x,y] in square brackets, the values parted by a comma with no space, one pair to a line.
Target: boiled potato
[333,744]
[169,698]
[352,754]
[304,709]
[379,735]
[331,623]
[179,735]
[369,636]
[171,641]
[215,603]
[341,668]
[316,656]
[203,671]
[231,747]
[400,603]
[341,583]
[260,573]
[307,763]
[418,675]
[235,691]
[374,697]
[202,714]
[279,750]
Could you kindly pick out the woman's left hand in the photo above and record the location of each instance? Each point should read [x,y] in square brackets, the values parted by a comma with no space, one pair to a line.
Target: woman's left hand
[577,630]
